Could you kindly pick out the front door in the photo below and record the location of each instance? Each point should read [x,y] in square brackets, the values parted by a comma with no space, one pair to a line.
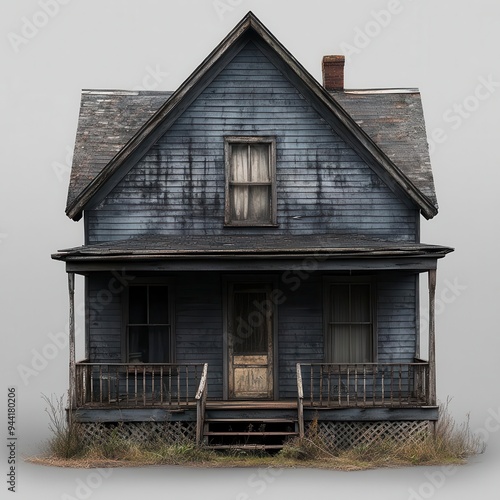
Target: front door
[250,341]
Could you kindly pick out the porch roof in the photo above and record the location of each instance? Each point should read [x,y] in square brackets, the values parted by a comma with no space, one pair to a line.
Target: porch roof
[326,246]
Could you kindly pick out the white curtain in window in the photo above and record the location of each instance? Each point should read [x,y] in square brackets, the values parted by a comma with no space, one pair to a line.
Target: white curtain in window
[259,199]
[250,163]
[240,173]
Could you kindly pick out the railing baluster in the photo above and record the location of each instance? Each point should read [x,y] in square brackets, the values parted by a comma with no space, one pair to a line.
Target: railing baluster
[392,385]
[364,385]
[321,385]
[100,384]
[312,385]
[126,385]
[178,386]
[339,384]
[108,378]
[329,374]
[374,383]
[161,385]
[400,384]
[348,385]
[136,395]
[356,385]
[91,384]
[153,385]
[117,385]
[144,385]
[170,385]
[383,386]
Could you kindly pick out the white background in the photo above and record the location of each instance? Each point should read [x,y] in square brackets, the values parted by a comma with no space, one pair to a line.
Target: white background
[444,47]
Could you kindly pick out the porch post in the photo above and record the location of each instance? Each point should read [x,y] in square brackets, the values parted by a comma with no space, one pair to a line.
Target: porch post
[72,362]
[432,336]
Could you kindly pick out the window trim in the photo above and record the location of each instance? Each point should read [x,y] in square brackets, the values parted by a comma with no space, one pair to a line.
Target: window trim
[228,142]
[328,281]
[171,314]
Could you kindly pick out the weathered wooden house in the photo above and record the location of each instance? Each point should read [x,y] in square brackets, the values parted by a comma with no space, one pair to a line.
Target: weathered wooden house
[252,253]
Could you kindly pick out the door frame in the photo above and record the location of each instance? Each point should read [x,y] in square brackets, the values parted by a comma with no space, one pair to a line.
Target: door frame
[272,280]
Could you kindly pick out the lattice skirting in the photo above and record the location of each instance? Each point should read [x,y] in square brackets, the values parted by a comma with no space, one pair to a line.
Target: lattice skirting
[138,432]
[342,435]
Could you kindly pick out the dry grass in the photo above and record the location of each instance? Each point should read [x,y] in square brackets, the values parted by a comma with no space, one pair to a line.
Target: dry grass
[66,440]
[451,444]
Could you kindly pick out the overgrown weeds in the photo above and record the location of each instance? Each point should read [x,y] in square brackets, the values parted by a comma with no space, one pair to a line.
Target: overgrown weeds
[66,439]
[134,453]
[309,447]
[449,444]
[68,443]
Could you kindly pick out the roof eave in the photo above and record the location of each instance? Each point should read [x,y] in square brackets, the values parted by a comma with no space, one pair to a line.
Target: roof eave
[433,253]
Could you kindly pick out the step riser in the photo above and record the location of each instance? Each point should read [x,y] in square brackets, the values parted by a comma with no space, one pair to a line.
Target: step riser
[248,433]
[260,415]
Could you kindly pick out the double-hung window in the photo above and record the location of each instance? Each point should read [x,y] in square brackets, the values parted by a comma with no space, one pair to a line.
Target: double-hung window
[349,322]
[250,181]
[149,332]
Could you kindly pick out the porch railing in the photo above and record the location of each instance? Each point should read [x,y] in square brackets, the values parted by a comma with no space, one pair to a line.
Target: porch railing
[364,384]
[137,385]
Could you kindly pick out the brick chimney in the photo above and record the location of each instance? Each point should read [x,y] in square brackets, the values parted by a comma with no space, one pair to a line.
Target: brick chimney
[333,72]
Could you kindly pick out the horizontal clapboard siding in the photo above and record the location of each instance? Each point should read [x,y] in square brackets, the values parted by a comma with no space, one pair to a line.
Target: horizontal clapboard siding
[300,337]
[322,184]
[396,316]
[198,324]
[104,309]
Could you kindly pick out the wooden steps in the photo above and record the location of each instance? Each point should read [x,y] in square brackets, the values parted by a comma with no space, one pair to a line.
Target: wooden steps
[247,447]
[257,433]
[248,433]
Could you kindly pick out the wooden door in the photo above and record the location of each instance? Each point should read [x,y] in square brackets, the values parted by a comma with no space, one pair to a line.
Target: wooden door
[250,341]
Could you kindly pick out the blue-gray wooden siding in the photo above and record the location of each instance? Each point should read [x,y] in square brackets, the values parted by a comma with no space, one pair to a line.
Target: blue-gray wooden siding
[322,184]
[104,312]
[199,323]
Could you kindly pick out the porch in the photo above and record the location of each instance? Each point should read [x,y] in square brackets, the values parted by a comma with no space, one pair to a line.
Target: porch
[261,349]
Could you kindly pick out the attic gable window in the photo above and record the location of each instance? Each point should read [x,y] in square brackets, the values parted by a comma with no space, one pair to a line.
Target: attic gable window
[250,181]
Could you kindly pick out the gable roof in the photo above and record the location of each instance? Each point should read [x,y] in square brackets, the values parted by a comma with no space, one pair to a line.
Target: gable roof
[108,120]
[394,119]
[117,128]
